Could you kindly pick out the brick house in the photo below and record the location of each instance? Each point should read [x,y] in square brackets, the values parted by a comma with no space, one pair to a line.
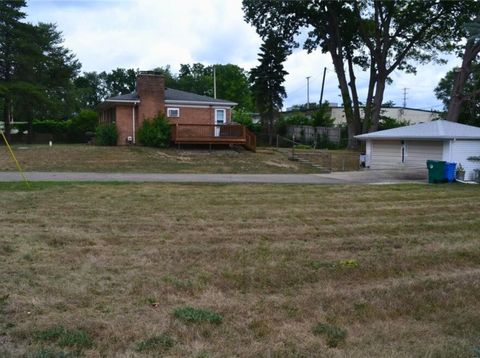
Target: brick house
[195,118]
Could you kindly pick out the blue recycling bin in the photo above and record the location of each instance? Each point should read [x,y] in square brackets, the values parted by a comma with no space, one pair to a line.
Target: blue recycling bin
[450,172]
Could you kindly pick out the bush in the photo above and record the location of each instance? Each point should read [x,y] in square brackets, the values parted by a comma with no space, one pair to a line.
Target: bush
[84,122]
[241,117]
[106,134]
[155,132]
[49,126]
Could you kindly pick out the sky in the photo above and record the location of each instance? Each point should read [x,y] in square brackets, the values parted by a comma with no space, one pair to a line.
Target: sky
[144,34]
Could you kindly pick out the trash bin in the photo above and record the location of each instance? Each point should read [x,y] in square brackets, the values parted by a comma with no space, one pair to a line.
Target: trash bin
[436,171]
[450,172]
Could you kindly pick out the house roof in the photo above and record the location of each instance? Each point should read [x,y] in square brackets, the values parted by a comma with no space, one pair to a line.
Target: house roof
[438,129]
[174,96]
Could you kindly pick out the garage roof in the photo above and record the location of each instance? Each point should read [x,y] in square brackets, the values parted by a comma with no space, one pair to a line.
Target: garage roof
[439,129]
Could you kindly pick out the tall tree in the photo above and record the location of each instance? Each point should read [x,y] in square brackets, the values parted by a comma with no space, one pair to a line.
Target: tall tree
[267,81]
[233,85]
[120,81]
[461,76]
[375,36]
[470,108]
[10,41]
[36,71]
[196,78]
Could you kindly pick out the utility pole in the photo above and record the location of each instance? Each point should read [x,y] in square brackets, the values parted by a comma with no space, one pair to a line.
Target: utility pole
[214,82]
[308,92]
[405,97]
[323,85]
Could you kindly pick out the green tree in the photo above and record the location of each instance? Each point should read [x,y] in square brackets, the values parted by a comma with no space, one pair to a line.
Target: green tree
[89,90]
[267,82]
[35,69]
[119,81]
[470,109]
[195,78]
[322,116]
[11,40]
[459,94]
[233,85]
[375,36]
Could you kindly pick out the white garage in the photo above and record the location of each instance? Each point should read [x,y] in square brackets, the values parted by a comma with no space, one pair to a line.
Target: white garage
[412,146]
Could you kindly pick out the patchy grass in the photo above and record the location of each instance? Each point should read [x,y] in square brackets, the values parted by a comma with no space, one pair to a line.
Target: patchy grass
[156,343]
[334,335]
[197,315]
[98,269]
[76,338]
[138,159]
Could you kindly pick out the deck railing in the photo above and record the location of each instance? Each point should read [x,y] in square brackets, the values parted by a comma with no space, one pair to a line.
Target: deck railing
[213,134]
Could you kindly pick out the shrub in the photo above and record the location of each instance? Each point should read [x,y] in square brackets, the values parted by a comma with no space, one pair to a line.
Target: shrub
[241,117]
[196,315]
[155,132]
[49,126]
[106,134]
[84,122]
[334,335]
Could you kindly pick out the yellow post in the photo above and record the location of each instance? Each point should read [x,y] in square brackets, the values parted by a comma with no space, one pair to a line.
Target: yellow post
[15,160]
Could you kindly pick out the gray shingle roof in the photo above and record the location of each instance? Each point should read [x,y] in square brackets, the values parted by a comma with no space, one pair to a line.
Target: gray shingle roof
[124,97]
[174,95]
[177,95]
[439,129]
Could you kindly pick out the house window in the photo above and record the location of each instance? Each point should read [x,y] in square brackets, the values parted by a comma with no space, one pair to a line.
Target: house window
[220,116]
[173,112]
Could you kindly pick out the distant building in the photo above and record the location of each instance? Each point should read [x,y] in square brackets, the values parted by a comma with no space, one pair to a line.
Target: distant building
[412,115]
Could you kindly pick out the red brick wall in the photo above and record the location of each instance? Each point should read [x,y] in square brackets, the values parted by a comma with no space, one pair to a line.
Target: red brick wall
[191,115]
[151,90]
[124,123]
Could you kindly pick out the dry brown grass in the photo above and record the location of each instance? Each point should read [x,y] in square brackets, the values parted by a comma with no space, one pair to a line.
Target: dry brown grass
[397,267]
[142,159]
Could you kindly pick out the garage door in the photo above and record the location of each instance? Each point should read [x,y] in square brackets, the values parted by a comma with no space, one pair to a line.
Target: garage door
[386,154]
[418,152]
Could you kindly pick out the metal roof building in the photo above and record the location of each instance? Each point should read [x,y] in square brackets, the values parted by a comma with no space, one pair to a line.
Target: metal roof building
[412,146]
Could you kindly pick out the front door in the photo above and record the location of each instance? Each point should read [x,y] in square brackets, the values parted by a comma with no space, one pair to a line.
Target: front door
[220,118]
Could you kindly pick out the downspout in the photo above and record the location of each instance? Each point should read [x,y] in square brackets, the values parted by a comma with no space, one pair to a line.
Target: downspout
[450,144]
[133,123]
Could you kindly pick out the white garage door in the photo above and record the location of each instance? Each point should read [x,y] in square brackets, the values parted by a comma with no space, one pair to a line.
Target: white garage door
[418,152]
[386,154]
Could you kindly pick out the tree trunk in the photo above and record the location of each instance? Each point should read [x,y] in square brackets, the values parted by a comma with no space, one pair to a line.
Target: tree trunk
[30,130]
[356,125]
[458,97]
[367,112]
[377,102]
[7,103]
[335,48]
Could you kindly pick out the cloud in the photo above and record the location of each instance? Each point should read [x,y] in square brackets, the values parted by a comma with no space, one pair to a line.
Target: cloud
[148,33]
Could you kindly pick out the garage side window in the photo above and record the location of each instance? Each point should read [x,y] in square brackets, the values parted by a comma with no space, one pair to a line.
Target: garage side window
[173,112]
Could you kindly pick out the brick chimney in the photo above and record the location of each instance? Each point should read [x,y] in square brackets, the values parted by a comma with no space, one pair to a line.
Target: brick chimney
[151,91]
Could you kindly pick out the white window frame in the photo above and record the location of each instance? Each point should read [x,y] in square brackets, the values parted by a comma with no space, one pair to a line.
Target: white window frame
[171,109]
[224,115]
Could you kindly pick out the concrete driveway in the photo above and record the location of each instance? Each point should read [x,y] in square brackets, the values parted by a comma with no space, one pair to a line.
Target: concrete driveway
[359,177]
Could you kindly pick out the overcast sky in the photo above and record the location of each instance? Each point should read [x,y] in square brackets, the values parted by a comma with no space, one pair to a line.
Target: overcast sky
[144,34]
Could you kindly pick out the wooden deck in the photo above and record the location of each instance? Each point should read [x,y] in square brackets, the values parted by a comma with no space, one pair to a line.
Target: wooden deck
[213,134]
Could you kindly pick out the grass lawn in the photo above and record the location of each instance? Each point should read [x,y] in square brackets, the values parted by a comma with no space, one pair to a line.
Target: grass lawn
[239,270]
[69,157]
